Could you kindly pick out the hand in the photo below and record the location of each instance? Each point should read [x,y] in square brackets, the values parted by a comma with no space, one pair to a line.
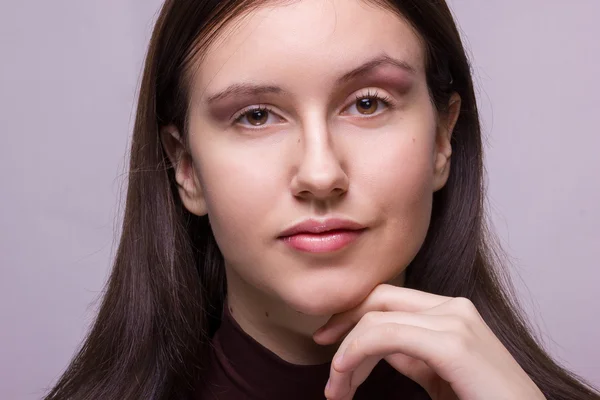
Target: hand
[441,343]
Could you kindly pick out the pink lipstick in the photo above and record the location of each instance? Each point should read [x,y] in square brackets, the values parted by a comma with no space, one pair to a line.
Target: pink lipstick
[322,236]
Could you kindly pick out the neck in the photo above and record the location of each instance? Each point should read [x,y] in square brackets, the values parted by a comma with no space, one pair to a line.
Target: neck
[276,326]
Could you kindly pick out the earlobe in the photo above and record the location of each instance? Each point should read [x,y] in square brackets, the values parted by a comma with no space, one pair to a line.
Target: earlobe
[190,190]
[443,149]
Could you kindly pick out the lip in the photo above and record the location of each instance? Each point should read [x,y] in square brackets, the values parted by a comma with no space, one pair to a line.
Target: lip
[320,226]
[322,236]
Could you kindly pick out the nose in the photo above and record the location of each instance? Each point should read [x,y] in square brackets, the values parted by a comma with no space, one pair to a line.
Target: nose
[320,173]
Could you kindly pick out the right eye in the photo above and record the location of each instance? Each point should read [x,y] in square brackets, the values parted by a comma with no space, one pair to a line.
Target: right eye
[255,116]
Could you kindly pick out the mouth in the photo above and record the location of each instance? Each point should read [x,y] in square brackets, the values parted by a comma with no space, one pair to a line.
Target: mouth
[322,236]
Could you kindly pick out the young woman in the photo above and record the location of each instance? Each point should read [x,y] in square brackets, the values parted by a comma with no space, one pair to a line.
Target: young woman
[307,164]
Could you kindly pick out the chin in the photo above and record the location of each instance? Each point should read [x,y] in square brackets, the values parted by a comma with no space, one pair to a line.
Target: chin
[325,302]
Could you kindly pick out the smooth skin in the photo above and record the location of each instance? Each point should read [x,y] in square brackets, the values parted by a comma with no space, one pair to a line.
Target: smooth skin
[442,343]
[314,150]
[313,140]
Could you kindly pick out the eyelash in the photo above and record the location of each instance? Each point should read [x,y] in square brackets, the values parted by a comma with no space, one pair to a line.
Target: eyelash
[247,111]
[386,100]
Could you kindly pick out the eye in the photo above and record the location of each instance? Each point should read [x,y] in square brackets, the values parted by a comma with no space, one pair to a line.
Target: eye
[255,116]
[369,103]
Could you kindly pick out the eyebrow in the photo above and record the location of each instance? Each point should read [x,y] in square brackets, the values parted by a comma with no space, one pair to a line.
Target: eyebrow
[249,89]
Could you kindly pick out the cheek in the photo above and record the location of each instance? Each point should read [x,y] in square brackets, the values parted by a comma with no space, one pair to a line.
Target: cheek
[402,191]
[406,174]
[239,191]
[398,172]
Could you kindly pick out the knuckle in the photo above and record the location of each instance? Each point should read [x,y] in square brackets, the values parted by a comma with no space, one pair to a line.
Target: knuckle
[381,297]
[385,288]
[465,307]
[371,317]
[464,303]
[460,326]
[355,345]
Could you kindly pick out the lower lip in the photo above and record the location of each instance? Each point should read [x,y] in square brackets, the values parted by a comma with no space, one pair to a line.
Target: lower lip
[322,242]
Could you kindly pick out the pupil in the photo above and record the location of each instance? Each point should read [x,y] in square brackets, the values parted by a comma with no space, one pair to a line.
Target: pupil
[258,117]
[367,105]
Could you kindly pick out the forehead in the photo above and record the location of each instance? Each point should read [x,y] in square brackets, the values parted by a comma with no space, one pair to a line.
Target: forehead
[306,44]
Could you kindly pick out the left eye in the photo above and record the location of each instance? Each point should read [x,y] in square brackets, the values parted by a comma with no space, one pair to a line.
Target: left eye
[370,104]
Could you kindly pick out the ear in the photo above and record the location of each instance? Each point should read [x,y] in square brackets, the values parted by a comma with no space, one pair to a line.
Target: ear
[443,142]
[188,183]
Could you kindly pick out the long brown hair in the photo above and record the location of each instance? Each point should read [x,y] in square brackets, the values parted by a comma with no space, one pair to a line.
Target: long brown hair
[165,294]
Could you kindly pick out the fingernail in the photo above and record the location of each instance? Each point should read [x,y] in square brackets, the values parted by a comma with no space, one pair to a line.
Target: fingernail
[318,332]
[328,383]
[338,359]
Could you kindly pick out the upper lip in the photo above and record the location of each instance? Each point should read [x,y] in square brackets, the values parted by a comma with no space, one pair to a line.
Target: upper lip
[320,226]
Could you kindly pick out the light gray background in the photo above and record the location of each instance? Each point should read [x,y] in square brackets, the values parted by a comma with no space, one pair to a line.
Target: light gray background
[69,72]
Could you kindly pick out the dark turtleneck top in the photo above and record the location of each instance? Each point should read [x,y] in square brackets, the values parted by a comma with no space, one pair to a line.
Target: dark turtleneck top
[241,368]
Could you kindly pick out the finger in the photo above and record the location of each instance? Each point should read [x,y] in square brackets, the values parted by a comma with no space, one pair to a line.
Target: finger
[344,379]
[341,384]
[338,385]
[390,338]
[383,298]
[413,368]
[436,322]
[350,395]
[459,306]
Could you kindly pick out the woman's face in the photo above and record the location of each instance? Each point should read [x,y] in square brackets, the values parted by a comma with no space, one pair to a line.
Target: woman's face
[345,129]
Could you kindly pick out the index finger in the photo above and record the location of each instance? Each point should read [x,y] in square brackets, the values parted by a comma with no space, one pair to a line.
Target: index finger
[384,297]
